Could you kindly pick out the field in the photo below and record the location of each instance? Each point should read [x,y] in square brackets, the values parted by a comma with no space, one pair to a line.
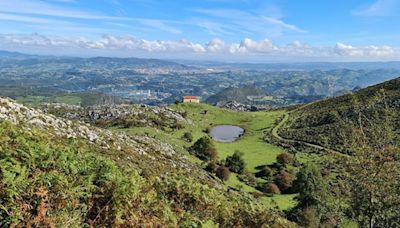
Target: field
[256,151]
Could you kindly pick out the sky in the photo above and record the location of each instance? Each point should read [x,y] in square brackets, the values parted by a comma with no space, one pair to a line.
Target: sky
[220,30]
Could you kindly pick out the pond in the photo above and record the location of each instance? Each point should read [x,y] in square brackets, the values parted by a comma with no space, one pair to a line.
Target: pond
[226,133]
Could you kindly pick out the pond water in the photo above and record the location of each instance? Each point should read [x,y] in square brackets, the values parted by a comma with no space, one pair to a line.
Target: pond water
[226,133]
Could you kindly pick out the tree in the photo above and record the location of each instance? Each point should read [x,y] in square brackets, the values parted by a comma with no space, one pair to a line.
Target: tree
[235,162]
[373,172]
[204,149]
[316,206]
[222,173]
[266,173]
[310,185]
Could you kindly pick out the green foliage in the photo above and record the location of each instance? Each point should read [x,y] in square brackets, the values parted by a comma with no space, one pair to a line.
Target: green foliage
[266,173]
[204,149]
[50,181]
[373,172]
[188,136]
[235,162]
[76,183]
[310,185]
[329,122]
[284,181]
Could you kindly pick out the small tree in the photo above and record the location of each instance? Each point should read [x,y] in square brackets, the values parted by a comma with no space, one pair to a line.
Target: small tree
[212,154]
[311,186]
[204,149]
[284,180]
[271,188]
[236,162]
[211,167]
[285,159]
[266,173]
[313,198]
[188,136]
[223,173]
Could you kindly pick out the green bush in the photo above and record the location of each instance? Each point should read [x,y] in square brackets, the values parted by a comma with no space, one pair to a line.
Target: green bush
[204,149]
[235,162]
[188,136]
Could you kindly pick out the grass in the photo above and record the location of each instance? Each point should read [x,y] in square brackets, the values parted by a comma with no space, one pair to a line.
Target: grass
[256,151]
[283,202]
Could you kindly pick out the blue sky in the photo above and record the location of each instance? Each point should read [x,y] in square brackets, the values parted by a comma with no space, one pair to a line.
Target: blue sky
[245,30]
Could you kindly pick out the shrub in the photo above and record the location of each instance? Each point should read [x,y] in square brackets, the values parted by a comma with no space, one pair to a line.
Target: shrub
[188,136]
[212,154]
[211,167]
[222,173]
[235,162]
[248,178]
[284,180]
[285,158]
[204,149]
[271,188]
[266,173]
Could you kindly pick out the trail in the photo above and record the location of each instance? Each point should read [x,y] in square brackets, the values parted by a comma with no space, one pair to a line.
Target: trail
[275,133]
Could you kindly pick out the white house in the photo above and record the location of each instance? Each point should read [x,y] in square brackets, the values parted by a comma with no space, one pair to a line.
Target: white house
[191,99]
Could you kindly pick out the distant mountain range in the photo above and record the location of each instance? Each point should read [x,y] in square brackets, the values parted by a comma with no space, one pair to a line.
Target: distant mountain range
[8,54]
[95,61]
[225,65]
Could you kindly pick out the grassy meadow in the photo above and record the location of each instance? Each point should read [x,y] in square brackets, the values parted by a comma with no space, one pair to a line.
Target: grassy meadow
[256,151]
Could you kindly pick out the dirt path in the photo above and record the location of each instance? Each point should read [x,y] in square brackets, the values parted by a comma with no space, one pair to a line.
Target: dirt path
[275,133]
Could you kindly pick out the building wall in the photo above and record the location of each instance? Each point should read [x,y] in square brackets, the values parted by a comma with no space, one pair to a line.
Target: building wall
[191,101]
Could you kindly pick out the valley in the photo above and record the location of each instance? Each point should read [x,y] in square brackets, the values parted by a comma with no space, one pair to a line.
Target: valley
[307,158]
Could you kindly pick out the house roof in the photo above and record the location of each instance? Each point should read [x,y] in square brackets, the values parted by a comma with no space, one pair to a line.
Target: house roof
[190,97]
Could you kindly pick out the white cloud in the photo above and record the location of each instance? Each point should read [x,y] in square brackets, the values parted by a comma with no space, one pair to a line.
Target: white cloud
[130,46]
[366,52]
[282,24]
[378,9]
[39,12]
[245,22]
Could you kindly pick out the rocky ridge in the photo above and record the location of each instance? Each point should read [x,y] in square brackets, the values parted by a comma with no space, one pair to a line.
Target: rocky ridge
[136,115]
[137,150]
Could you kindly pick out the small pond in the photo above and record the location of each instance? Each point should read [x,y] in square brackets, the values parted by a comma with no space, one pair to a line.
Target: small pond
[226,133]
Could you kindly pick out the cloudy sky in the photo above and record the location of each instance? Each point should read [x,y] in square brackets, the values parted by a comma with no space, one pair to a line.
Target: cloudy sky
[231,30]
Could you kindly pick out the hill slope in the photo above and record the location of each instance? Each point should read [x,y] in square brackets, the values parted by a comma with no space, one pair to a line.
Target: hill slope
[57,172]
[327,122]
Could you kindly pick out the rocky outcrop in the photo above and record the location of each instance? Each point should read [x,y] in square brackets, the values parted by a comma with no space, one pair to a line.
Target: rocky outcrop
[132,149]
[135,115]
[240,107]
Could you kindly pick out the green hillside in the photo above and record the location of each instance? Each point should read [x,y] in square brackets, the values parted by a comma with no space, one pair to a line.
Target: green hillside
[57,173]
[327,122]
